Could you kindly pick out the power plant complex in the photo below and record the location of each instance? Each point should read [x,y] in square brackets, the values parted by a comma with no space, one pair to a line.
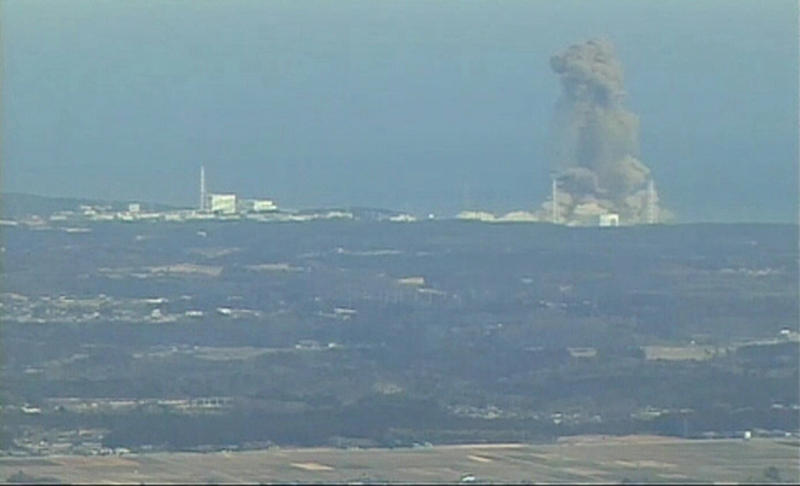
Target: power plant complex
[222,204]
[598,177]
[606,218]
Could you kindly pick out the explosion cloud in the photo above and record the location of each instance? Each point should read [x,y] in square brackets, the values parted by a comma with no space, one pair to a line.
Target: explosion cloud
[597,140]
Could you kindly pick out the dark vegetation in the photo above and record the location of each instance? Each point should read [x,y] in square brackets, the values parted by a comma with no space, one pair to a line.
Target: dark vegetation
[483,355]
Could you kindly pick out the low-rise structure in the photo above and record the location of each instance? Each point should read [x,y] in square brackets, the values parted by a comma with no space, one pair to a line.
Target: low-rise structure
[223,203]
[609,219]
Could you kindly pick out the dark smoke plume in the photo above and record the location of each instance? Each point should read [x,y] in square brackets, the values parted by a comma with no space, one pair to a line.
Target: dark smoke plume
[597,139]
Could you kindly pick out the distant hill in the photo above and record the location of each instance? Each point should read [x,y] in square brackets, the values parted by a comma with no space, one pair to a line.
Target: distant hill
[15,205]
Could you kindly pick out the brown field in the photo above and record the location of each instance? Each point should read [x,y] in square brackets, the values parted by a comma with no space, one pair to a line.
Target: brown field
[579,459]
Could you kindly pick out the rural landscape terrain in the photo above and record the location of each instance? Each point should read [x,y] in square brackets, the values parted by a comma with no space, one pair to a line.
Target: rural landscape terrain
[362,242]
[337,350]
[580,460]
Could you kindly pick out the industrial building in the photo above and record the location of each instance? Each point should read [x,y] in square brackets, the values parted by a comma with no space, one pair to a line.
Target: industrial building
[257,205]
[227,204]
[591,213]
[610,219]
[222,203]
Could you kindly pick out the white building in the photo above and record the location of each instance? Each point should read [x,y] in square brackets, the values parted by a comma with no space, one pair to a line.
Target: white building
[609,219]
[264,205]
[259,205]
[223,203]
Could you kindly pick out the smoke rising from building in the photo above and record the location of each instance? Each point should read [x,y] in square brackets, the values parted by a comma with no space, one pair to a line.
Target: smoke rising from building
[596,141]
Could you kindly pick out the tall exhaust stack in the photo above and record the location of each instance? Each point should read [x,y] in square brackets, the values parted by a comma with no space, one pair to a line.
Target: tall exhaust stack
[555,201]
[652,203]
[202,188]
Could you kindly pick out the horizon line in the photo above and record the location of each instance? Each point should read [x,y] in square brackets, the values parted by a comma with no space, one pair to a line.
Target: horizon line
[796,222]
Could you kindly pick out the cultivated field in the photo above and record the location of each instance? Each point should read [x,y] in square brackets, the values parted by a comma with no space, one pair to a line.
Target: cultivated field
[578,459]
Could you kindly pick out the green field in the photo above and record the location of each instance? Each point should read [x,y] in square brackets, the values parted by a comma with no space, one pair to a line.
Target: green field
[580,459]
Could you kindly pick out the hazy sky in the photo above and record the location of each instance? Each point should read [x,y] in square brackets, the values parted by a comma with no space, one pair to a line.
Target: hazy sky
[421,105]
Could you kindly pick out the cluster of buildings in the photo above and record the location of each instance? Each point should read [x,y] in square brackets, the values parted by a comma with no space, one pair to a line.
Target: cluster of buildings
[212,206]
[36,440]
[229,203]
[230,206]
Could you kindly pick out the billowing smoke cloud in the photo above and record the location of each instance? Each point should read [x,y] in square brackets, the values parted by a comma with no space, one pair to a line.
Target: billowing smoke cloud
[597,140]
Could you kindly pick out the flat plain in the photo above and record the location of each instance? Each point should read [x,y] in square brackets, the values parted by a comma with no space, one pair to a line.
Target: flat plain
[584,459]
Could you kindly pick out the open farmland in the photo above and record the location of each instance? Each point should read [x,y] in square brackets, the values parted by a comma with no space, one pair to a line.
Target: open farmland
[578,459]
